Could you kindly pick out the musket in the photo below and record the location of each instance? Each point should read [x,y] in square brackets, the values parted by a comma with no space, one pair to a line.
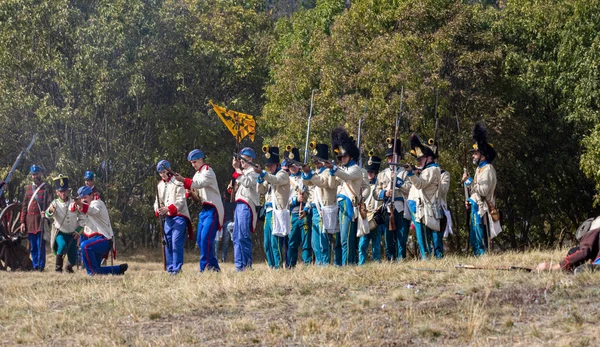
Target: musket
[468,213]
[437,92]
[160,226]
[312,100]
[240,158]
[392,222]
[16,164]
[503,268]
[360,122]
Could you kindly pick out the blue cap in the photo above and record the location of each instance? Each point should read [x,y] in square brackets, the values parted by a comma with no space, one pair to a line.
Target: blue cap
[88,176]
[83,191]
[249,152]
[35,169]
[162,165]
[195,155]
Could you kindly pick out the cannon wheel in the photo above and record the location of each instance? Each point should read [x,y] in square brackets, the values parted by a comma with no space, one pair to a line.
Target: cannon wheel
[9,220]
[13,255]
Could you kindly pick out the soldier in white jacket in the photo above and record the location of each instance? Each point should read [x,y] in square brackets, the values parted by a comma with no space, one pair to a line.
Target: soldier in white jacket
[274,183]
[422,195]
[99,234]
[245,216]
[374,208]
[66,226]
[395,240]
[212,215]
[350,180]
[482,188]
[171,205]
[324,207]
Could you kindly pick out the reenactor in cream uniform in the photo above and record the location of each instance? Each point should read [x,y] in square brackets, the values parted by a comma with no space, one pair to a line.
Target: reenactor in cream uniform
[482,202]
[374,207]
[350,180]
[299,235]
[246,199]
[274,183]
[422,196]
[171,204]
[68,222]
[395,240]
[324,207]
[212,215]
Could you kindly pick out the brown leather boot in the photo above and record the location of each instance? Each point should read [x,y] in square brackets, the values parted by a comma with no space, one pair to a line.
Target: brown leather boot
[69,268]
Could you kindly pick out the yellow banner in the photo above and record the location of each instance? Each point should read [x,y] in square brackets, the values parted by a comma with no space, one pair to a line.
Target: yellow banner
[239,124]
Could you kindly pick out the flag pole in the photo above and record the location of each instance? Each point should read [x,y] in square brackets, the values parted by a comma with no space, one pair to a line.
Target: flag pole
[237,151]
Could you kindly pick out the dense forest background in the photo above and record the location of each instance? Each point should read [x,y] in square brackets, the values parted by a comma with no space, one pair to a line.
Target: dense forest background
[113,86]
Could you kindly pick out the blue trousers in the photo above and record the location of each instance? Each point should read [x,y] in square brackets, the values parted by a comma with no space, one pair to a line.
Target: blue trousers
[207,231]
[67,245]
[224,242]
[319,240]
[424,236]
[478,234]
[242,244]
[402,229]
[175,233]
[375,238]
[93,250]
[307,255]
[348,237]
[274,245]
[395,240]
[294,240]
[37,249]
[437,238]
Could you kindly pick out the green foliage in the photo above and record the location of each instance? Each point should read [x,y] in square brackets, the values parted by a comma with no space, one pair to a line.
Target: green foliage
[114,86]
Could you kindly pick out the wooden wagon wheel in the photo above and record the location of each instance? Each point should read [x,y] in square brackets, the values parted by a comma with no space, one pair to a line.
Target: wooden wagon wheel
[9,220]
[12,254]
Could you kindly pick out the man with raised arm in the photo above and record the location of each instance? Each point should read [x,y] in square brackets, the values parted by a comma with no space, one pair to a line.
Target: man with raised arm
[210,218]
[245,215]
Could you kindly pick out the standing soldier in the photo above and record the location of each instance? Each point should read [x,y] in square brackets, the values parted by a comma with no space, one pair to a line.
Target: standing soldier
[99,234]
[373,208]
[171,204]
[274,183]
[446,221]
[210,218]
[36,200]
[66,227]
[395,240]
[437,237]
[482,203]
[247,199]
[422,196]
[325,224]
[298,235]
[89,177]
[350,179]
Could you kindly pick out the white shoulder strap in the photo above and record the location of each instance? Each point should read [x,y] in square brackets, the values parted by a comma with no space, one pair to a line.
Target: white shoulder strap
[34,195]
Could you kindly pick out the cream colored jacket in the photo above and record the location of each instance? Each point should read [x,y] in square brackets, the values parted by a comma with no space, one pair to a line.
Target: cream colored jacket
[326,187]
[247,188]
[383,184]
[205,182]
[279,185]
[350,180]
[171,194]
[483,187]
[426,184]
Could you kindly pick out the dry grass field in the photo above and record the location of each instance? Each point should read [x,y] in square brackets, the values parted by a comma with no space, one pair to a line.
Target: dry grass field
[377,304]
